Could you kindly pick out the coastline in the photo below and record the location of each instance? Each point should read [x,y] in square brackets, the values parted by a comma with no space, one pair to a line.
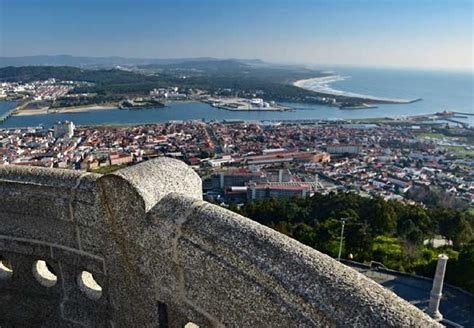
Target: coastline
[319,79]
[328,91]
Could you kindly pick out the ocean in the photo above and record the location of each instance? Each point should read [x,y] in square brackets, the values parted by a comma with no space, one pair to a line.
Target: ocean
[439,90]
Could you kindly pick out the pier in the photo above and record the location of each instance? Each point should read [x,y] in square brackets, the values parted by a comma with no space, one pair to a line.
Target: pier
[461,113]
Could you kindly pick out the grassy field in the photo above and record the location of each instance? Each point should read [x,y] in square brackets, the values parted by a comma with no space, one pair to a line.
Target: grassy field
[460,151]
[427,135]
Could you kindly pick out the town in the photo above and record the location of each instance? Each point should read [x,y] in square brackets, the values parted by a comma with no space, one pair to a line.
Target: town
[236,163]
[242,161]
[49,89]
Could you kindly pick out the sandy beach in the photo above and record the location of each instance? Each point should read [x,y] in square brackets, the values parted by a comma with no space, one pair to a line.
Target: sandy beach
[323,85]
[322,79]
[76,109]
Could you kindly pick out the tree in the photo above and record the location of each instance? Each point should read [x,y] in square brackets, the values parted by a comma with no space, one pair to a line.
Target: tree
[284,228]
[462,232]
[410,231]
[385,231]
[455,227]
[387,250]
[327,233]
[305,234]
[379,215]
[204,154]
[462,273]
[358,240]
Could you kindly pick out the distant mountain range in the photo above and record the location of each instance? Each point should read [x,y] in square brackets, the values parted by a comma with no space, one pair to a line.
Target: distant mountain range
[109,62]
[202,64]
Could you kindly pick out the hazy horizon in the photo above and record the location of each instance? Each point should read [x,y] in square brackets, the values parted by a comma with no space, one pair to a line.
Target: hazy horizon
[387,34]
[321,66]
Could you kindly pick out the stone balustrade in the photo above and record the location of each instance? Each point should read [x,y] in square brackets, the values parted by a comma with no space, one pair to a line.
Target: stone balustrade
[140,248]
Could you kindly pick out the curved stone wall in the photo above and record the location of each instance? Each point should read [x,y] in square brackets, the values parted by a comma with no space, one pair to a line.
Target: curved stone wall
[139,248]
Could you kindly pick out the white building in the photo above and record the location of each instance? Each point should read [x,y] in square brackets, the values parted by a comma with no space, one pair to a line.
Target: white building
[257,102]
[63,129]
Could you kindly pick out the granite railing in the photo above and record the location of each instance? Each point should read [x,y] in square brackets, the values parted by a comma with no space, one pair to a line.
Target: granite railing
[140,248]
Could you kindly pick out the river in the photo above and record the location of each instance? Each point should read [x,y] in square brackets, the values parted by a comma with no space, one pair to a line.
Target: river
[440,90]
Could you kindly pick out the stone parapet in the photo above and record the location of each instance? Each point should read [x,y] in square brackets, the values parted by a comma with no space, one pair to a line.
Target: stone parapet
[140,248]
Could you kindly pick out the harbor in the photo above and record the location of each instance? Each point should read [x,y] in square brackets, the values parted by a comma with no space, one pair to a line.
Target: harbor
[246,105]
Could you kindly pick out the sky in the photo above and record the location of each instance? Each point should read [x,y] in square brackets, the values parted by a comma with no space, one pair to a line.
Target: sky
[400,33]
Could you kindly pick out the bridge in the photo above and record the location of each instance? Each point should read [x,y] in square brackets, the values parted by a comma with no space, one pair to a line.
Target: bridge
[140,248]
[5,116]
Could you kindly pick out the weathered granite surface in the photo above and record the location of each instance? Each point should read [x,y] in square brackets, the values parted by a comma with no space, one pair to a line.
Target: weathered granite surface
[163,257]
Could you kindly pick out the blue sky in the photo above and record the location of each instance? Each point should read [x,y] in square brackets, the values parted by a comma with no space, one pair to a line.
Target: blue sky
[418,33]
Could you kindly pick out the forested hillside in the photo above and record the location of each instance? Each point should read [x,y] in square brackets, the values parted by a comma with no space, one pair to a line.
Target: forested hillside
[385,231]
[272,83]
